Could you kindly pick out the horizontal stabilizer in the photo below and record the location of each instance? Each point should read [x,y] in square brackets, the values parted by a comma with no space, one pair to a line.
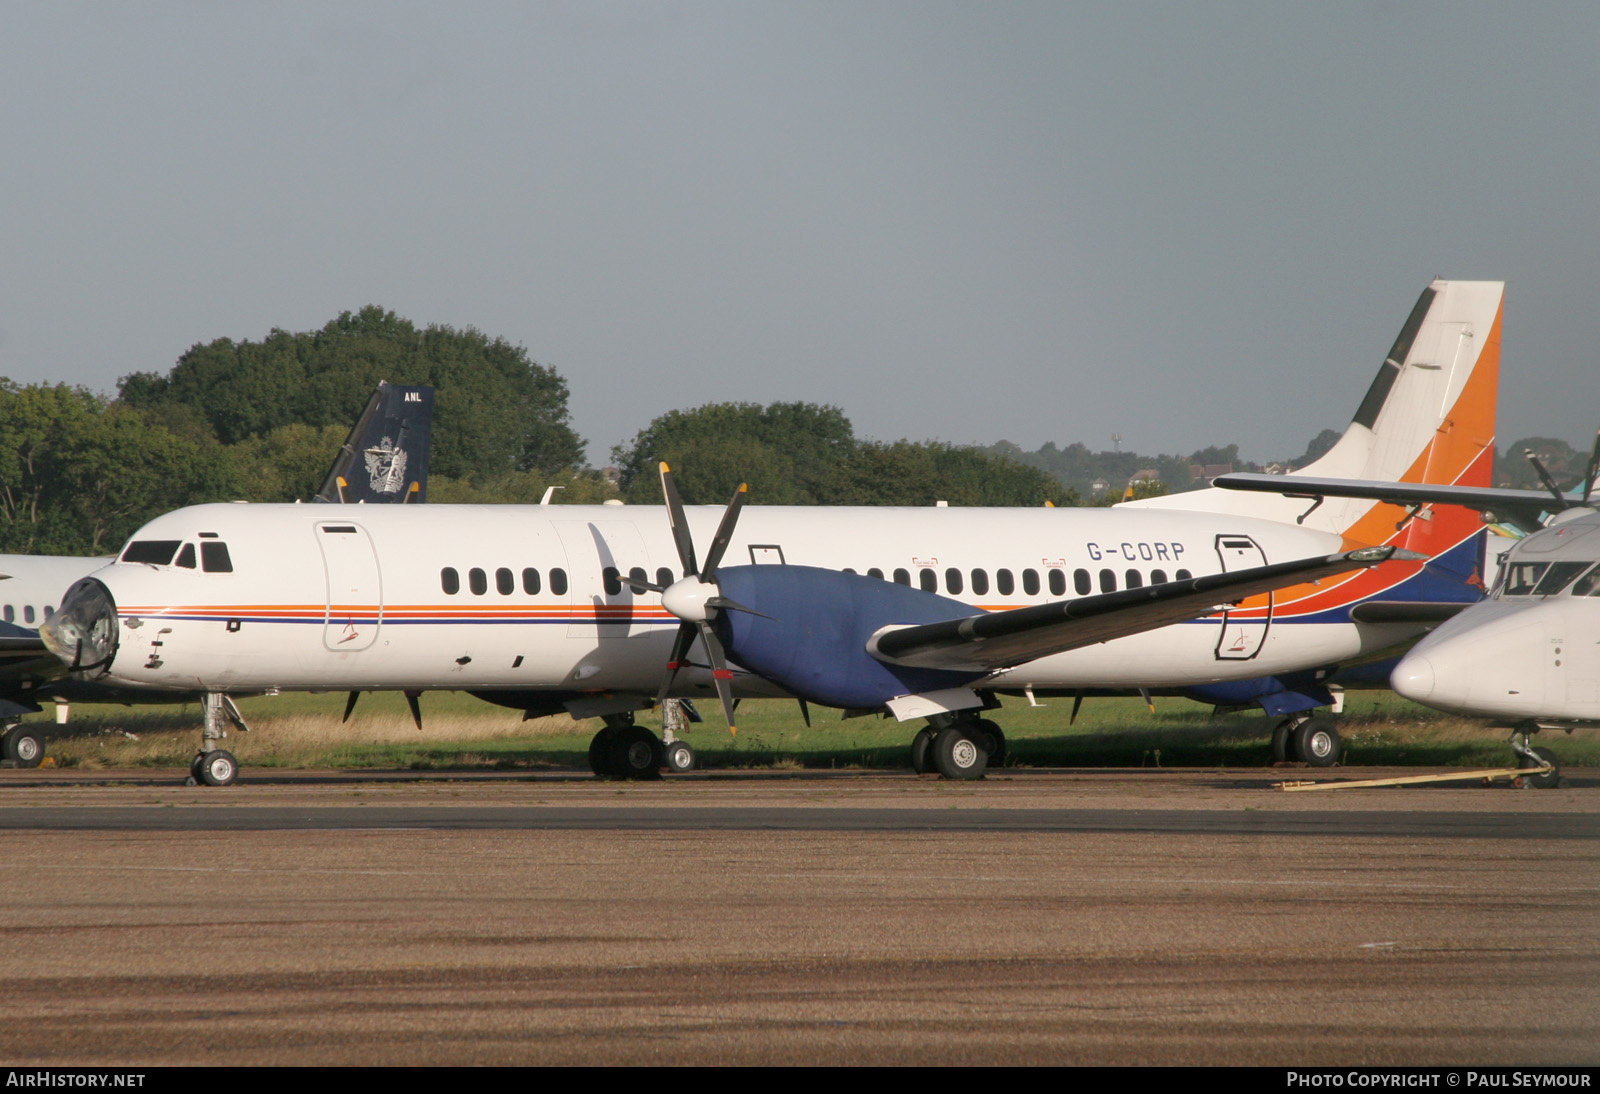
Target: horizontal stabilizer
[993,640]
[1523,507]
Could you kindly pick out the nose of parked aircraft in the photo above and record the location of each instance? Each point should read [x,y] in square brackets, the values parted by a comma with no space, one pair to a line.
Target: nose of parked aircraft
[83,631]
[1413,678]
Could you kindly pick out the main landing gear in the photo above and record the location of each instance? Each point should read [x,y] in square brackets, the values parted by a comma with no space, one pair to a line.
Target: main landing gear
[957,746]
[215,765]
[1309,738]
[21,747]
[623,750]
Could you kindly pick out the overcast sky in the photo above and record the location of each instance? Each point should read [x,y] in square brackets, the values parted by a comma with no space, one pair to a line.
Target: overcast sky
[1187,223]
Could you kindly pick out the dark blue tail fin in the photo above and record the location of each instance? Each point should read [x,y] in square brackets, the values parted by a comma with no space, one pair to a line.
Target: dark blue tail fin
[385,458]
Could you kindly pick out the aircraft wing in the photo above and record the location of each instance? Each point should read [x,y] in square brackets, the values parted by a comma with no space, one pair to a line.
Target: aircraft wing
[1524,507]
[996,640]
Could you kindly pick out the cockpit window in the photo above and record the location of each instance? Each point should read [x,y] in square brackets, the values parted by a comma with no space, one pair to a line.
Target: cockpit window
[214,558]
[156,551]
[1588,584]
[1558,577]
[186,556]
[1521,577]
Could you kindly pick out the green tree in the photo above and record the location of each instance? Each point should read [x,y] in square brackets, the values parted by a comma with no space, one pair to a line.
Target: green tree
[495,409]
[789,453]
[78,476]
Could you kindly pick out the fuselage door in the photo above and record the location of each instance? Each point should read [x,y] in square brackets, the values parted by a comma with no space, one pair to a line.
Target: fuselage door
[355,592]
[597,550]
[1243,632]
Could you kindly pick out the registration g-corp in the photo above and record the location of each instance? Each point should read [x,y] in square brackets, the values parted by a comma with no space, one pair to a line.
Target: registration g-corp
[1142,551]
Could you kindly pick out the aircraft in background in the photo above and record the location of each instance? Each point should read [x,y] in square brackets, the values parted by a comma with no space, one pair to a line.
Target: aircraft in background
[930,613]
[384,459]
[1529,654]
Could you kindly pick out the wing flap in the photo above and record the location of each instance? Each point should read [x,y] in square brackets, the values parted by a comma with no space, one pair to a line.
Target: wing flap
[993,640]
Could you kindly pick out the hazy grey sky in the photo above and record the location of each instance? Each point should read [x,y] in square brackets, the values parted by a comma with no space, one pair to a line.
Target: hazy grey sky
[1187,223]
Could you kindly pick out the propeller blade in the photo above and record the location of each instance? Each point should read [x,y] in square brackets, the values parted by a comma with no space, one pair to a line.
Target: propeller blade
[720,673]
[1077,702]
[639,586]
[1549,483]
[416,709]
[349,705]
[719,543]
[678,522]
[1594,466]
[805,712]
[734,606]
[680,648]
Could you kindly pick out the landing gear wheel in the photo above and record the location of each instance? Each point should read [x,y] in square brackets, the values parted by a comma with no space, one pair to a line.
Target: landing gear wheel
[23,747]
[680,757]
[1282,730]
[959,756]
[996,742]
[217,767]
[1316,742]
[922,752]
[1548,781]
[635,753]
[600,751]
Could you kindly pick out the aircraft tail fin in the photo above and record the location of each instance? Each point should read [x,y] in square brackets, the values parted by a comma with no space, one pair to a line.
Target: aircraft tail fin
[385,458]
[1428,416]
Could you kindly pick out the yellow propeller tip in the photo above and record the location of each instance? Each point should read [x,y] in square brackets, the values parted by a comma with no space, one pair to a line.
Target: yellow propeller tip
[733,730]
[744,488]
[664,467]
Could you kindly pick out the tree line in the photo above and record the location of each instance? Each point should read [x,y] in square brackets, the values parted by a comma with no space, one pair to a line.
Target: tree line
[261,420]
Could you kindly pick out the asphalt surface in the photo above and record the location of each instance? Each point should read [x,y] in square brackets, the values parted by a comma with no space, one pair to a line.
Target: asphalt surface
[1034,917]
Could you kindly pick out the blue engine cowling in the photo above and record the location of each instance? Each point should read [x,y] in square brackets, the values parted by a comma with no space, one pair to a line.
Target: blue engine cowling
[815,644]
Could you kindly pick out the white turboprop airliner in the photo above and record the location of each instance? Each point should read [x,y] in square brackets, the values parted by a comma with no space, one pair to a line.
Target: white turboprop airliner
[383,459]
[923,613]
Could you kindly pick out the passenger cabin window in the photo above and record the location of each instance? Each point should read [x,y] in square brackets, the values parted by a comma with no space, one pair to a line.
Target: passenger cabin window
[214,558]
[158,552]
[664,577]
[1134,579]
[1030,582]
[449,581]
[1058,583]
[27,613]
[1108,581]
[477,581]
[638,574]
[1182,575]
[11,614]
[1158,577]
[530,581]
[504,582]
[186,556]
[980,582]
[612,584]
[1080,582]
[928,580]
[875,572]
[1004,583]
[558,582]
[952,581]
[902,577]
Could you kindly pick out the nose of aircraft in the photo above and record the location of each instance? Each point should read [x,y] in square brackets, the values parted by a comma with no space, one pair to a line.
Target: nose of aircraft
[83,631]
[1413,678]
